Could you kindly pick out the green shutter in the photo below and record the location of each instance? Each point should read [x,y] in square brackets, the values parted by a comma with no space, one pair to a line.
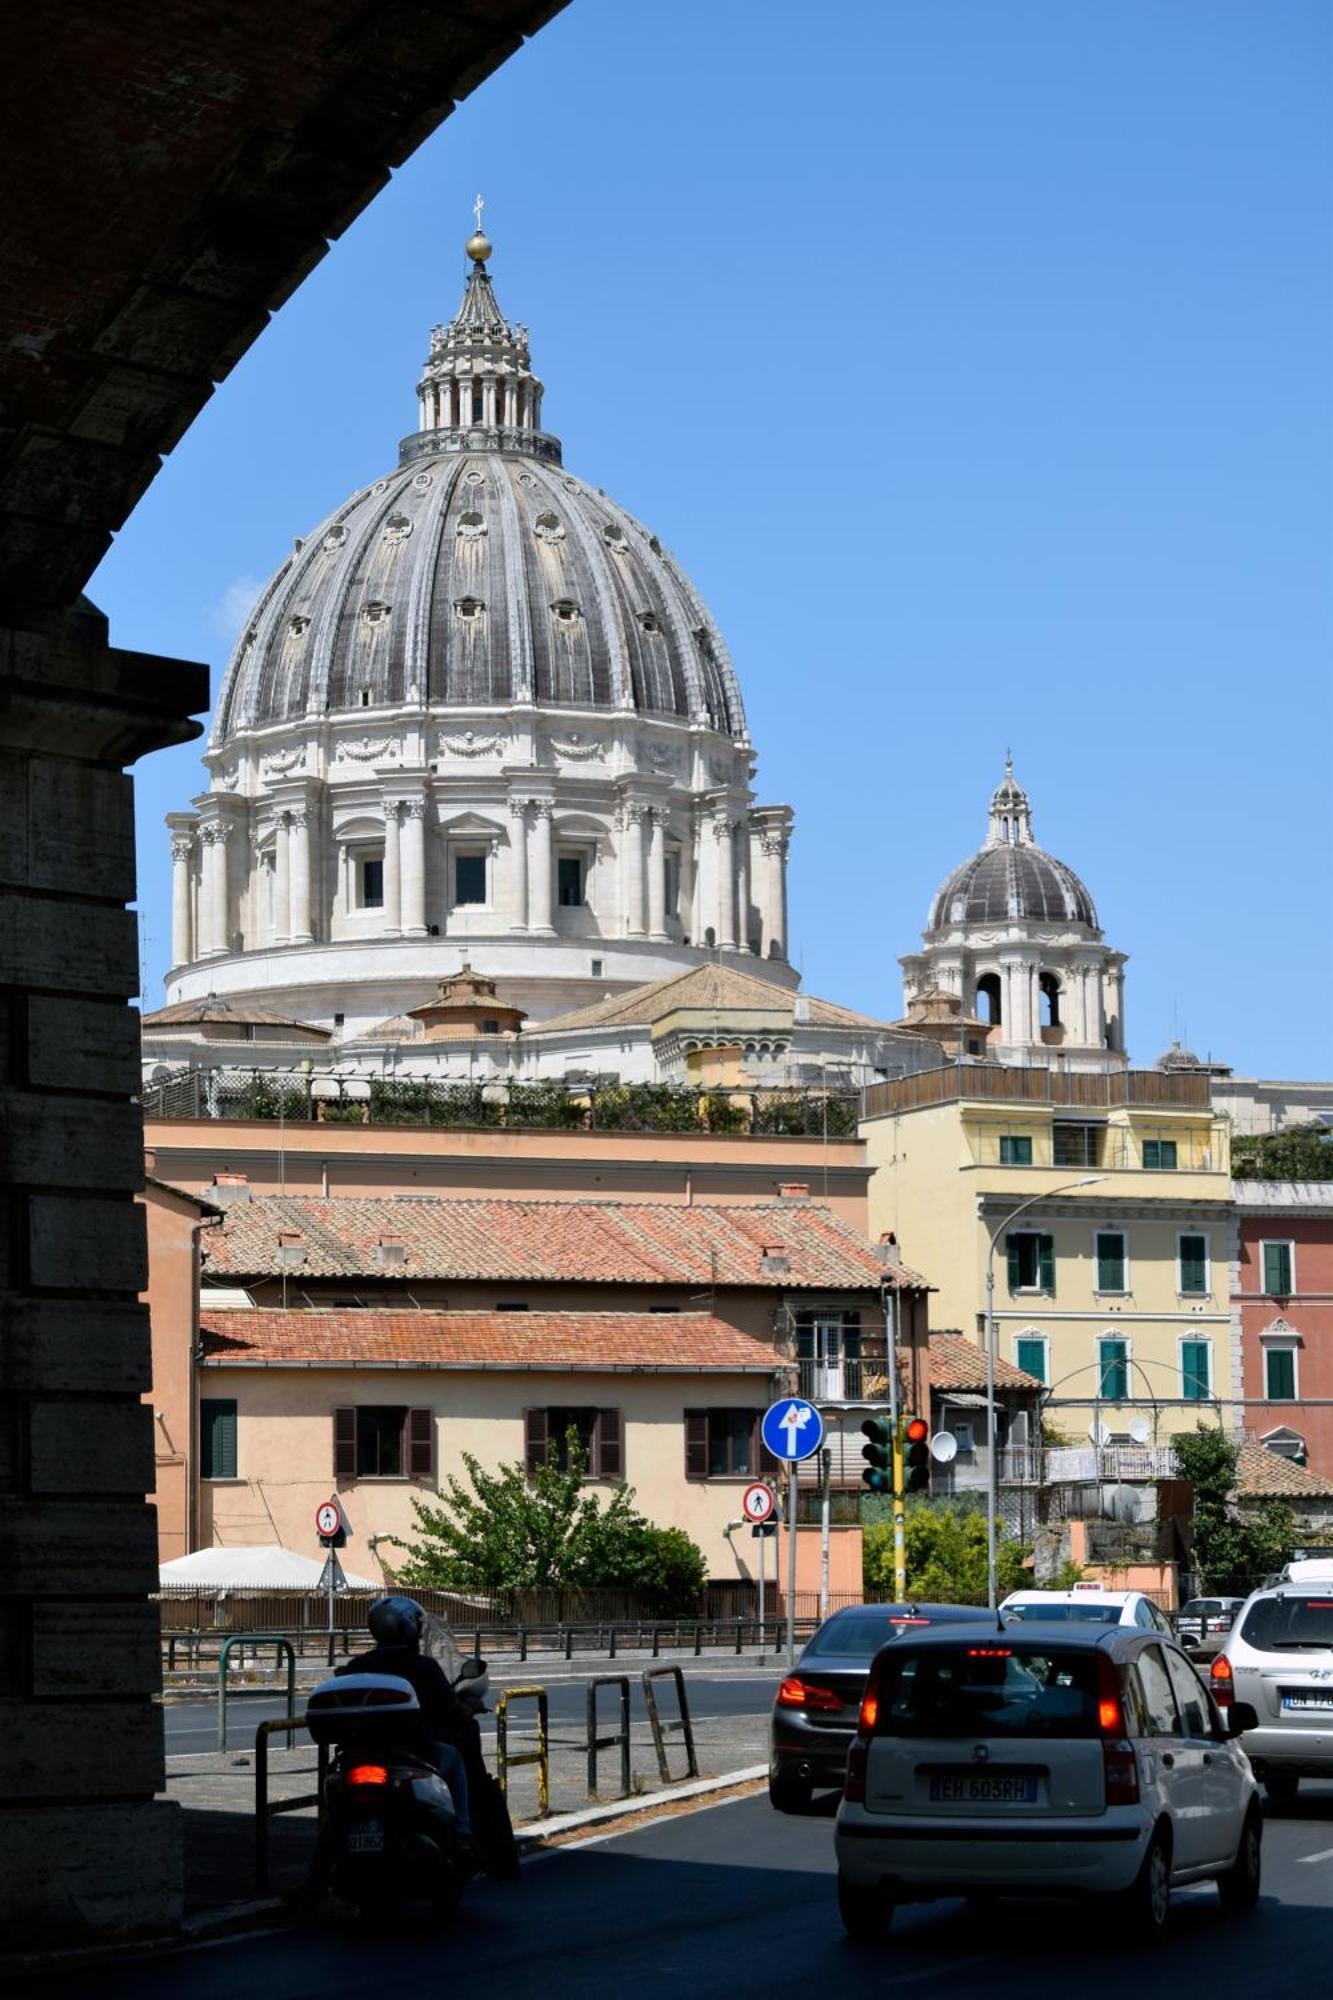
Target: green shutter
[1279,1374]
[1110,1261]
[1046,1263]
[1032,1357]
[217,1438]
[1277,1270]
[1194,1370]
[1015,1273]
[1194,1264]
[1114,1361]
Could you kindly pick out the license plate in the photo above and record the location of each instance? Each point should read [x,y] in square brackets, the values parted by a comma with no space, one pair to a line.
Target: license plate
[970,1790]
[366,1836]
[1321,1698]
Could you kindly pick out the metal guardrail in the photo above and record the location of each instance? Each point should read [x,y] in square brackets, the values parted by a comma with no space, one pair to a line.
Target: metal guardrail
[681,1726]
[252,1639]
[507,1760]
[619,1740]
[264,1812]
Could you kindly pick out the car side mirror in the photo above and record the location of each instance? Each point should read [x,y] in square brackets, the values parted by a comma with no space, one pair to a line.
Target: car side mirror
[1240,1717]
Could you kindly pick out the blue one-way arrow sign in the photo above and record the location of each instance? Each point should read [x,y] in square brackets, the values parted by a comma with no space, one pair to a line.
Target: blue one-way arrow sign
[792,1429]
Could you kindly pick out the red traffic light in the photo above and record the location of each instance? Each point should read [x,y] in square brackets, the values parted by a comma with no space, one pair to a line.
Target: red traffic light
[916,1430]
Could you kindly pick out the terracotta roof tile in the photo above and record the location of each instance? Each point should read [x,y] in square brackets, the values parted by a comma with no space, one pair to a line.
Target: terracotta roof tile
[703,986]
[638,1243]
[1262,1474]
[958,1363]
[689,1343]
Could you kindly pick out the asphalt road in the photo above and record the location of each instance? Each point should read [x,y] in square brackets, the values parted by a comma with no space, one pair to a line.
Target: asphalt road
[737,1898]
[192,1725]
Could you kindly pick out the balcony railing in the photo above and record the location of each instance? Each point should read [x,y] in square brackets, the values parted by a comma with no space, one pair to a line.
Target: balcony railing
[834,1381]
[1006,1084]
[294,1097]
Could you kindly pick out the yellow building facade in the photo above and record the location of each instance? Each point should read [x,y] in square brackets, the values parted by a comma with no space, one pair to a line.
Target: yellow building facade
[1111,1284]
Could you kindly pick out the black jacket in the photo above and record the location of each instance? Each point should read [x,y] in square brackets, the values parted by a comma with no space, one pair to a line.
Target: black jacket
[441,1711]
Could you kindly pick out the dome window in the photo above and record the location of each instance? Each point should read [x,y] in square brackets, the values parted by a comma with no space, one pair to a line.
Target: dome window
[469,607]
[565,610]
[648,620]
[297,625]
[376,611]
[615,539]
[335,537]
[397,528]
[549,528]
[471,526]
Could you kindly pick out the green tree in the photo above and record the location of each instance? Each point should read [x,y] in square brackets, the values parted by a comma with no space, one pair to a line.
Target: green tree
[946,1556]
[1233,1548]
[1302,1153]
[508,1531]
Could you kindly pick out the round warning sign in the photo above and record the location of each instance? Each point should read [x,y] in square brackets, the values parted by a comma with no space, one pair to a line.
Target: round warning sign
[328,1518]
[757,1502]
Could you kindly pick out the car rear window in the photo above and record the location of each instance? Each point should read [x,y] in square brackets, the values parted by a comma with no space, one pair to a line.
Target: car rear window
[1290,1623]
[987,1690]
[1067,1614]
[860,1638]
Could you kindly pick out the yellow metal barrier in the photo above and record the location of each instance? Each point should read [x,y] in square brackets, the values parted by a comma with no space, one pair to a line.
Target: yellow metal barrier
[505,1761]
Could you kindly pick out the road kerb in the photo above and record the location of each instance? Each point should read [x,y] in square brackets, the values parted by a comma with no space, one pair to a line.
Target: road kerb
[534,1835]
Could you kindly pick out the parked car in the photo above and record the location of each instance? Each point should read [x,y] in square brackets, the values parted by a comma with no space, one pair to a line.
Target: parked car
[1277,1662]
[815,1710]
[1087,1604]
[1204,1622]
[1044,1759]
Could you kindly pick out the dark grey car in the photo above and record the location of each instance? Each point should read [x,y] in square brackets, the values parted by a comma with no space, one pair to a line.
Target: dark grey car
[816,1709]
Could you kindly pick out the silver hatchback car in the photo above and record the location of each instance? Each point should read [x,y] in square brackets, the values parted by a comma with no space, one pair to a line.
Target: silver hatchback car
[1278,1659]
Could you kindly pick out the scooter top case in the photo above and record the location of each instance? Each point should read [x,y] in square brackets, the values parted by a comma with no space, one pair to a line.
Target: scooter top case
[365,1708]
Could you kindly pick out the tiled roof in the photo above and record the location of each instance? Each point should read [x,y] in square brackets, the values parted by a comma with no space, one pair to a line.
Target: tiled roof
[704,986]
[691,1343]
[245,1013]
[958,1363]
[1262,1474]
[599,1242]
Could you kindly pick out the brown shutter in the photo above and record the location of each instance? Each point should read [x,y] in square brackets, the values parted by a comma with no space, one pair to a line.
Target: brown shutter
[420,1452]
[609,1446]
[696,1444]
[534,1439]
[764,1465]
[344,1444]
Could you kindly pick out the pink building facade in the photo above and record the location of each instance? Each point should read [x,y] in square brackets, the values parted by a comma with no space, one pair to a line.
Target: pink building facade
[1282,1314]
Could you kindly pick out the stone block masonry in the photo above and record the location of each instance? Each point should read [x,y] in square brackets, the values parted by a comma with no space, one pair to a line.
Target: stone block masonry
[89,1849]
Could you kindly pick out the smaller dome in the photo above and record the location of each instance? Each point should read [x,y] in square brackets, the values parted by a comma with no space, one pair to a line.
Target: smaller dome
[1011,880]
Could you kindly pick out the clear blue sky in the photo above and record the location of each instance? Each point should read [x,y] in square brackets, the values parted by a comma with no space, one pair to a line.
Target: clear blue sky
[975,360]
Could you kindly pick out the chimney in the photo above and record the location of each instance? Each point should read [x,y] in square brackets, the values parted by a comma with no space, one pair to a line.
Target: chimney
[391,1253]
[291,1249]
[774,1261]
[888,1248]
[228,1188]
[793,1191]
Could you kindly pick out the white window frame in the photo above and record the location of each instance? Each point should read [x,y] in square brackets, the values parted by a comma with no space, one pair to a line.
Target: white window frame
[1113,1333]
[1282,1343]
[1207,1291]
[1031,1333]
[1287,1243]
[1195,1340]
[1110,1229]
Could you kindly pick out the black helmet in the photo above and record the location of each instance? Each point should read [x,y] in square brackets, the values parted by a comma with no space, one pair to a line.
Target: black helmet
[396,1621]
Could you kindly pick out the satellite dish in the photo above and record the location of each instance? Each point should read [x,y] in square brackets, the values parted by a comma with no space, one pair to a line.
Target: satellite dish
[1096,1432]
[1140,1429]
[944,1447]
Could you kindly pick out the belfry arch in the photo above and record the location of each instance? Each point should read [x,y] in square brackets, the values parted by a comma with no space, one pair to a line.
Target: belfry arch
[174,172]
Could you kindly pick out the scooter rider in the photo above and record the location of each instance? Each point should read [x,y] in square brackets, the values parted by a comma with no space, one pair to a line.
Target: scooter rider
[396,1625]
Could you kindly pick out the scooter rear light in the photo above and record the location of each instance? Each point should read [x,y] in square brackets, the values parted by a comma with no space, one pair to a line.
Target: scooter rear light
[367,1774]
[1222,1682]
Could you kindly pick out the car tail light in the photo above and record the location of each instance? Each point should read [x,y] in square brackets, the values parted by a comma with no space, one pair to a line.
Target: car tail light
[854,1785]
[367,1774]
[1221,1681]
[796,1693]
[869,1715]
[1120,1763]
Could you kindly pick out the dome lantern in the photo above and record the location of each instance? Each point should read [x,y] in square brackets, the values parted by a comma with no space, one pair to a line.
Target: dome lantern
[478,378]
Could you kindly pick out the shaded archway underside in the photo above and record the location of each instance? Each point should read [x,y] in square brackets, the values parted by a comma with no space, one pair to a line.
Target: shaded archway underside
[172,173]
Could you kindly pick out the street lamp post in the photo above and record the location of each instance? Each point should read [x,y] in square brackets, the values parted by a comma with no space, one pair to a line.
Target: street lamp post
[992,1457]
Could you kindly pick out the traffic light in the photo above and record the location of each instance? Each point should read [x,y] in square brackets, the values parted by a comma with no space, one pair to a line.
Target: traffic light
[916,1455]
[877,1452]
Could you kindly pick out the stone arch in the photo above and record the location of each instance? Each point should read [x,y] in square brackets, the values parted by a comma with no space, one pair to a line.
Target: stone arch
[990,1001]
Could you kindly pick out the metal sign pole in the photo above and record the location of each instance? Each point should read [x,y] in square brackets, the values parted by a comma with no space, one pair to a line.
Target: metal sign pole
[763,1543]
[791,1562]
[826,1473]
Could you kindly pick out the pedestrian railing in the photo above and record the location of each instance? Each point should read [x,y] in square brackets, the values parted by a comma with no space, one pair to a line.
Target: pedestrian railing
[507,1760]
[249,1641]
[266,1810]
[679,1726]
[618,1740]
